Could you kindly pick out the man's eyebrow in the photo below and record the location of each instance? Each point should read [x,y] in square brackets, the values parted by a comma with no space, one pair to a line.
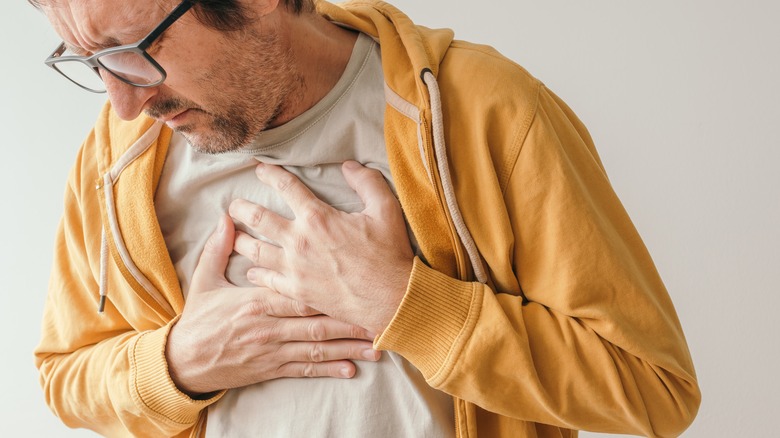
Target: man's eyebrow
[131,35]
[105,44]
[109,42]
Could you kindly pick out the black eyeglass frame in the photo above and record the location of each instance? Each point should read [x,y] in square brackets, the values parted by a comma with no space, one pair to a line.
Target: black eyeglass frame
[93,61]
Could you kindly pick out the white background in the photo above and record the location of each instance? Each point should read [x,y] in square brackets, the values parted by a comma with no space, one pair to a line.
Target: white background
[682,98]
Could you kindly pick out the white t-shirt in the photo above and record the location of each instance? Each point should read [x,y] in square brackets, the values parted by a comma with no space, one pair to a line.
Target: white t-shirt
[388,398]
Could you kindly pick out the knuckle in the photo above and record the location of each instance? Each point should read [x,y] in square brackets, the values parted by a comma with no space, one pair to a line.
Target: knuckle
[374,174]
[317,330]
[317,353]
[356,332]
[256,251]
[257,216]
[263,336]
[266,333]
[211,245]
[259,307]
[371,176]
[315,217]
[309,370]
[299,309]
[354,352]
[285,182]
[212,248]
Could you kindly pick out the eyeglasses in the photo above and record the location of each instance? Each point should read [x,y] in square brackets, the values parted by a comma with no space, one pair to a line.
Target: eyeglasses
[129,63]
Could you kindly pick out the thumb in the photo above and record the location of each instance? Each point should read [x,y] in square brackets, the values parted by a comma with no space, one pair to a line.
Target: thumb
[210,272]
[371,187]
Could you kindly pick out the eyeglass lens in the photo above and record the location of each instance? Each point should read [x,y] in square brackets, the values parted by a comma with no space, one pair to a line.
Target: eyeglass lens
[133,67]
[81,74]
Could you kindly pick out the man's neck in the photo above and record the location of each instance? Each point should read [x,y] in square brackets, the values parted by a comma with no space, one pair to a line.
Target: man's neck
[321,51]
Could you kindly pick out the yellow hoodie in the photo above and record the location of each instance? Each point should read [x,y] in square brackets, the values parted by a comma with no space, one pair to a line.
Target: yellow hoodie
[537,306]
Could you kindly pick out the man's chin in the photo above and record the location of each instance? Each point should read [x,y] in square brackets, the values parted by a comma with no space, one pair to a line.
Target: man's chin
[209,143]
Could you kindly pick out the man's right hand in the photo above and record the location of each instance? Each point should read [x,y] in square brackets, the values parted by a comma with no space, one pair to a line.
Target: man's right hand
[229,337]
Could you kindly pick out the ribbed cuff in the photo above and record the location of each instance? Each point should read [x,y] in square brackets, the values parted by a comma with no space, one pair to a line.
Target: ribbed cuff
[430,323]
[154,389]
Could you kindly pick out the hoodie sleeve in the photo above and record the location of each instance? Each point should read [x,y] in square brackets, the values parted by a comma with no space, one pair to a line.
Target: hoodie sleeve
[101,371]
[590,339]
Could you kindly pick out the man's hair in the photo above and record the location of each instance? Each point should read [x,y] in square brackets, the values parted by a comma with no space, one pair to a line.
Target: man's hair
[225,15]
[228,15]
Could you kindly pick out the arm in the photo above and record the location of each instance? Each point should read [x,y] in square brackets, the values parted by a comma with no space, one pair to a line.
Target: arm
[102,372]
[597,345]
[111,372]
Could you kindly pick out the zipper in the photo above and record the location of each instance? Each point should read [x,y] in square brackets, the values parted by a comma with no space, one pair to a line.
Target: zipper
[430,158]
[445,179]
[114,240]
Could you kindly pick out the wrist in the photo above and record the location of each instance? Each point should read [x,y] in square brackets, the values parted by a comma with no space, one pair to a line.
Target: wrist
[396,294]
[180,368]
[151,380]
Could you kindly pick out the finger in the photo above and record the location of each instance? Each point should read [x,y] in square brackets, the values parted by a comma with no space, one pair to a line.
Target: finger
[214,258]
[259,218]
[261,253]
[342,369]
[319,328]
[271,279]
[318,352]
[295,193]
[371,187]
[271,303]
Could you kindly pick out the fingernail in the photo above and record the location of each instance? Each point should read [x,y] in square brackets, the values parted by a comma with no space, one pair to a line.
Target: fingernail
[251,275]
[345,372]
[370,354]
[260,168]
[221,225]
[351,165]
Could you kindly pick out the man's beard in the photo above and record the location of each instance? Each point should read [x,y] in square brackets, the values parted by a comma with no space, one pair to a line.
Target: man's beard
[242,101]
[223,132]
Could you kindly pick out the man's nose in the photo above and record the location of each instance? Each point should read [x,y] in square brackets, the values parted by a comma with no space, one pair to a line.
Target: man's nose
[127,100]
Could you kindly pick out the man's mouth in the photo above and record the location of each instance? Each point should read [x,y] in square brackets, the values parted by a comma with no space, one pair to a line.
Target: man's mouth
[174,120]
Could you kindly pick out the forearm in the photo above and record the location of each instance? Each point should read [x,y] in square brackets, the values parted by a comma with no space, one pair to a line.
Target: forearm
[580,331]
[118,386]
[532,363]
[102,371]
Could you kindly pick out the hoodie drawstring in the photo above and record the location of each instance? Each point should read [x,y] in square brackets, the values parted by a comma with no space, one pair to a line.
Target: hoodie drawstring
[440,149]
[111,226]
[103,274]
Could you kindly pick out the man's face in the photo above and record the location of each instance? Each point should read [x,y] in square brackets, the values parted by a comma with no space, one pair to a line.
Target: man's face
[222,88]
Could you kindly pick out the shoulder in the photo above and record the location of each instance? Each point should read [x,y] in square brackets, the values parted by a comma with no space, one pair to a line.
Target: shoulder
[488,80]
[489,103]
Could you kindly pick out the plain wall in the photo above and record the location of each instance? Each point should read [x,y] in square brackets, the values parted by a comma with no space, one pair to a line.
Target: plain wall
[682,99]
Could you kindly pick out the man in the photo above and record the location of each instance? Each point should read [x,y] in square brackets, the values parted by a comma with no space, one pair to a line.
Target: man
[509,283]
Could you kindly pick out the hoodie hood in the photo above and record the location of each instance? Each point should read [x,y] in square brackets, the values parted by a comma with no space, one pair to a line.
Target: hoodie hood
[409,46]
[415,53]
[412,55]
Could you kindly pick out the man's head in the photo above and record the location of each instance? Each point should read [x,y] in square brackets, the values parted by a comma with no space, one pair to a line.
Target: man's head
[230,70]
[219,14]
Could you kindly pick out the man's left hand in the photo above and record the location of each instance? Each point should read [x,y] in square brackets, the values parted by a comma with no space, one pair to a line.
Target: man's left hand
[351,266]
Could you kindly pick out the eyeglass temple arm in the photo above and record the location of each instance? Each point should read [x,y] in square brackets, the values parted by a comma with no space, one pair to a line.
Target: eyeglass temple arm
[180,10]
